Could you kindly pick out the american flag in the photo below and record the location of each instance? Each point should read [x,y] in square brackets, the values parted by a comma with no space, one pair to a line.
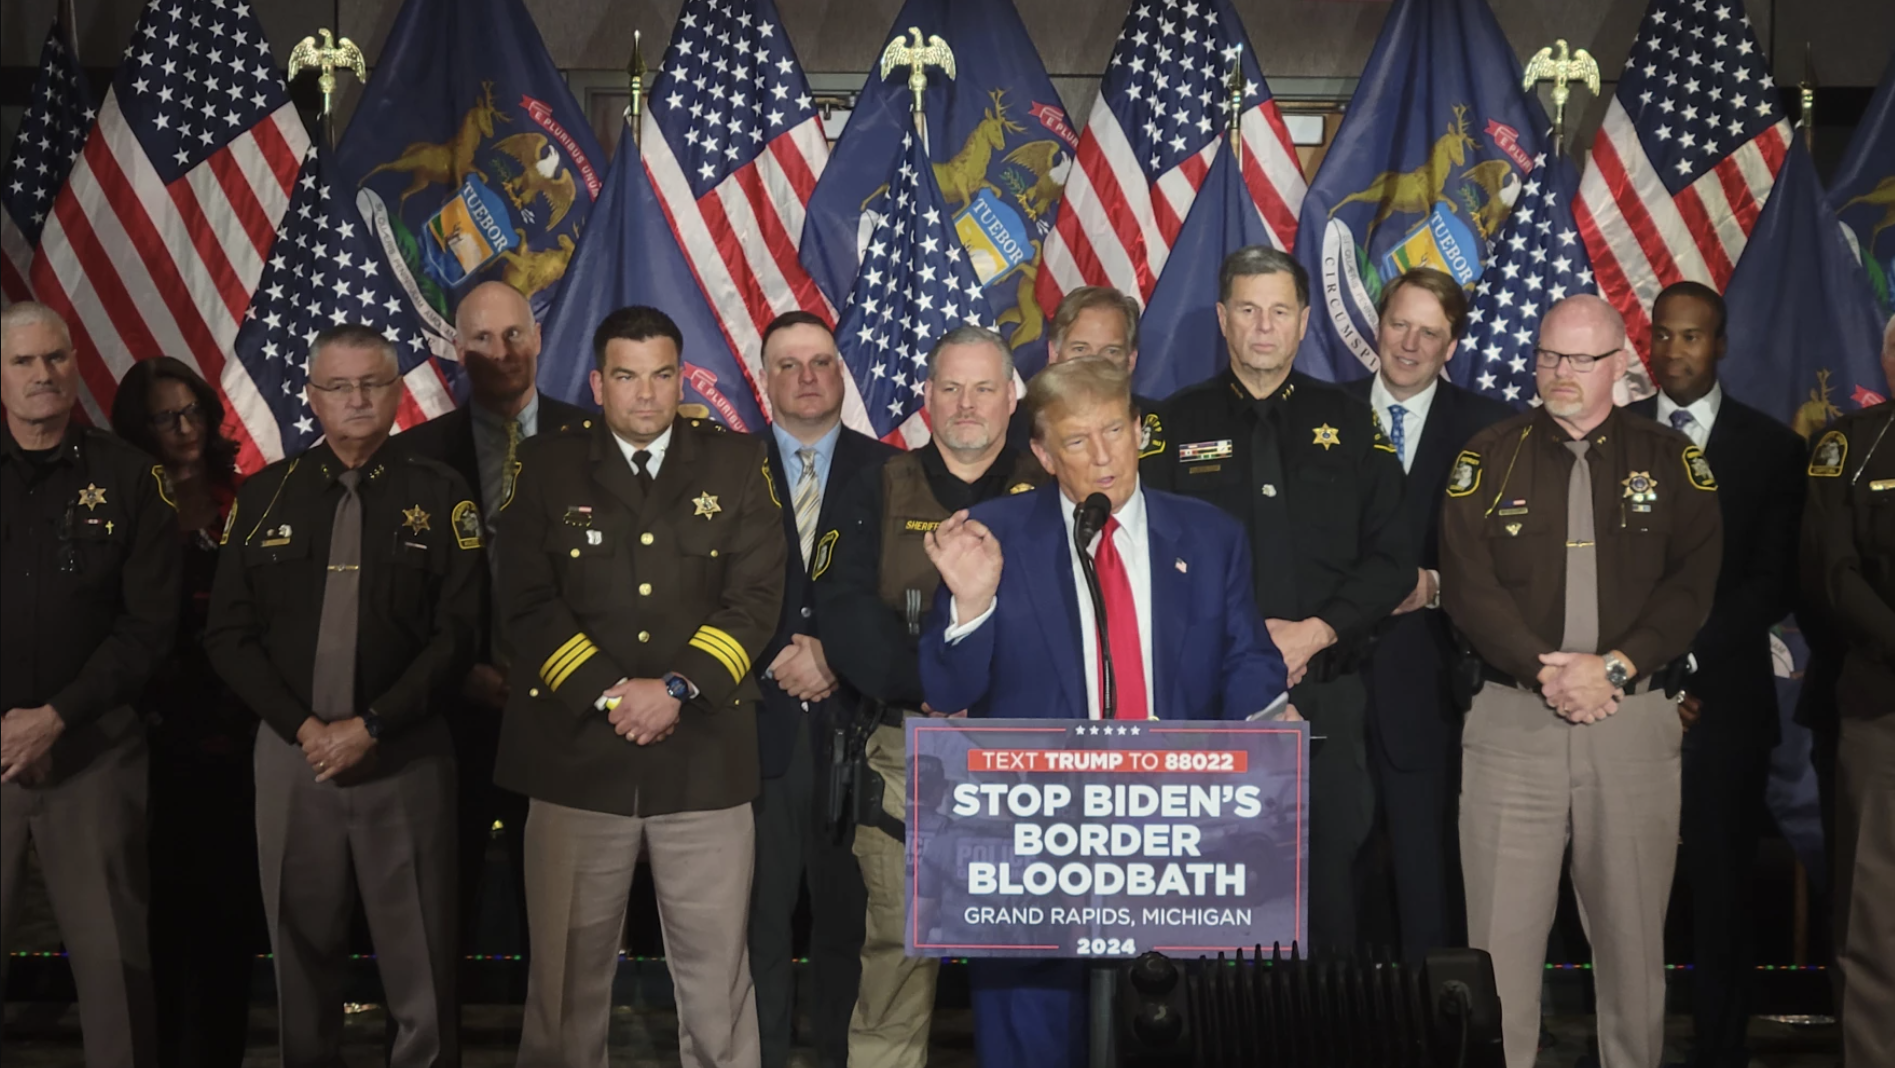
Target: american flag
[734,146]
[1537,259]
[915,284]
[160,235]
[1688,154]
[51,133]
[1149,143]
[324,270]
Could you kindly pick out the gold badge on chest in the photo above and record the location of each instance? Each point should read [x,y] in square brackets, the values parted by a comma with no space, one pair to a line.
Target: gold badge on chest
[414,519]
[1641,489]
[92,496]
[1326,437]
[706,505]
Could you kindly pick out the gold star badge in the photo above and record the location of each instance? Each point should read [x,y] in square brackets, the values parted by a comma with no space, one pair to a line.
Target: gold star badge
[92,496]
[414,519]
[707,505]
[1326,437]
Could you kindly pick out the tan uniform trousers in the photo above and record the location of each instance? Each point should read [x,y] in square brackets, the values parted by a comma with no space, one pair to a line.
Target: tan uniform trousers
[579,868]
[87,824]
[1533,783]
[889,1028]
[1865,873]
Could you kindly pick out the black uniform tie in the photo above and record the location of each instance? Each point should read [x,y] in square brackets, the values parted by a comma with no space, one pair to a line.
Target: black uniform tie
[1274,574]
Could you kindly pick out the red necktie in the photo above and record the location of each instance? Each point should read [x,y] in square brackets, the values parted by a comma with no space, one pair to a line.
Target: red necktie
[1128,657]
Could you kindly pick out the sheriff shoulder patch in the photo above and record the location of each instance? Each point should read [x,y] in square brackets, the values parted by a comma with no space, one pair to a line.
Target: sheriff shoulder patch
[1464,478]
[1378,439]
[230,521]
[164,485]
[824,554]
[771,483]
[466,523]
[1151,435]
[1825,461]
[1697,469]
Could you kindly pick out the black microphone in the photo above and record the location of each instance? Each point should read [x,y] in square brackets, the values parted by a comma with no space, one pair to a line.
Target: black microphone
[1088,519]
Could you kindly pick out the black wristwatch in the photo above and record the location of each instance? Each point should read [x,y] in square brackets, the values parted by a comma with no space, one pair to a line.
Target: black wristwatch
[372,723]
[677,687]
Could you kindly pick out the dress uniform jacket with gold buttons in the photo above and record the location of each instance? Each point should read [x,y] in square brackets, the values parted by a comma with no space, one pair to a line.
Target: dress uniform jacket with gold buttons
[1849,548]
[1503,540]
[422,573]
[603,580]
[92,573]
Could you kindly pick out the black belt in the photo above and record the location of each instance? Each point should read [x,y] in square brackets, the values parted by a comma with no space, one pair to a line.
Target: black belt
[1642,684]
[894,715]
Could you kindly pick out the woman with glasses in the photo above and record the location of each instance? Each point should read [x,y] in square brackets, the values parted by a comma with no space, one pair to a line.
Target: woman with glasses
[206,910]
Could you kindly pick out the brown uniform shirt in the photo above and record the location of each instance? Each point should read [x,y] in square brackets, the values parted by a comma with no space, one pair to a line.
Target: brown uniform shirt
[601,580]
[1503,540]
[1849,550]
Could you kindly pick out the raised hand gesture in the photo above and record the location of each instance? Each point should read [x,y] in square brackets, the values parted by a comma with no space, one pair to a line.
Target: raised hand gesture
[968,557]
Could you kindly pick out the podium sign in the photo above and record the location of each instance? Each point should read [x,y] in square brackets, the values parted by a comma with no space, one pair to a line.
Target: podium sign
[1059,838]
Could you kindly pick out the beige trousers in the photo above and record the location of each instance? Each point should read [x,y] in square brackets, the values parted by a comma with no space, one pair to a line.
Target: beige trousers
[1531,785]
[895,1007]
[1865,875]
[579,867]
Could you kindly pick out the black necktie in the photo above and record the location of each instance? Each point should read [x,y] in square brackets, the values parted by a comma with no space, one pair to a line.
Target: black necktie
[1274,574]
[641,465]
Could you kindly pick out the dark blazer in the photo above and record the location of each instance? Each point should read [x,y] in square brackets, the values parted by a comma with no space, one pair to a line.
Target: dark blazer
[1212,657]
[449,438]
[778,715]
[1759,464]
[1411,650]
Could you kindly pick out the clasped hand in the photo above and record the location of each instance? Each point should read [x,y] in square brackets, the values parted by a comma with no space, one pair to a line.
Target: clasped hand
[968,557]
[1574,685]
[802,670]
[334,749]
[646,712]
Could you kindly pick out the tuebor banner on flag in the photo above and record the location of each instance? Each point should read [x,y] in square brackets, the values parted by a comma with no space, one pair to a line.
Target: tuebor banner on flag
[1181,342]
[51,134]
[1160,117]
[1538,260]
[1863,193]
[468,158]
[1432,154]
[1684,162]
[629,256]
[1805,334]
[1001,147]
[734,149]
[156,243]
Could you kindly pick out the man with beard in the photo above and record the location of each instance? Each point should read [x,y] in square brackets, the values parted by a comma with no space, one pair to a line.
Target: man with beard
[874,585]
[1579,555]
[499,345]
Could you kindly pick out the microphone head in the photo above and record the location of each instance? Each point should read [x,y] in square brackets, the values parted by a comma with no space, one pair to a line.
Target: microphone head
[1092,516]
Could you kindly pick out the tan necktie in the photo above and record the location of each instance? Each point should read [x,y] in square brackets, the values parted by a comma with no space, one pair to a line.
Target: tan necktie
[808,502]
[1582,559]
[332,692]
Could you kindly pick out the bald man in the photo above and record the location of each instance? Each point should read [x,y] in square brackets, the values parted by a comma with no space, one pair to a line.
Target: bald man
[1579,554]
[499,345]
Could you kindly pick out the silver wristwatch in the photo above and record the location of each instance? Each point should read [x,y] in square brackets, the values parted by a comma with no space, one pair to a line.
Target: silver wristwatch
[1616,672]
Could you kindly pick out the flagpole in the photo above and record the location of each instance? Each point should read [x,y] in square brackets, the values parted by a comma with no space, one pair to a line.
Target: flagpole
[918,56]
[1234,104]
[69,14]
[635,113]
[1806,90]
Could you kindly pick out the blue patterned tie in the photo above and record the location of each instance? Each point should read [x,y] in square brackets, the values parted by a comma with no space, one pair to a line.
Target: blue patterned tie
[1681,419]
[1397,433]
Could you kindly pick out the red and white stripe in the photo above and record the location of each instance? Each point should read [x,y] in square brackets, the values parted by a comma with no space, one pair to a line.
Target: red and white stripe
[1642,239]
[742,237]
[1116,230]
[138,268]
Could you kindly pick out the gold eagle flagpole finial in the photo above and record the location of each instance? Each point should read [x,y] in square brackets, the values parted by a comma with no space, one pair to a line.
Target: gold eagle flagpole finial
[326,58]
[1806,92]
[918,57]
[1568,67]
[635,111]
[1234,101]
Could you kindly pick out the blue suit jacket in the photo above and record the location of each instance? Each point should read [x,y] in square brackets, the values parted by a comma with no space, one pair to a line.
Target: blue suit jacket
[1212,657]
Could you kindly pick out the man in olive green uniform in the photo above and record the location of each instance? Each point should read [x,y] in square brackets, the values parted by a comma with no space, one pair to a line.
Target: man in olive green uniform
[91,562]
[1849,547]
[641,572]
[1579,555]
[345,614]
[874,586]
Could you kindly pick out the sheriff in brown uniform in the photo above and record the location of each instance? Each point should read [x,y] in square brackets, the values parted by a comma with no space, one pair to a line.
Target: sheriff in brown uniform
[1849,548]
[641,572]
[1579,555]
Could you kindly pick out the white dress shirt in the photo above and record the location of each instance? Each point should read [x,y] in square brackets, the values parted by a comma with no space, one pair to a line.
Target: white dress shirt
[1703,413]
[656,448]
[1414,416]
[1133,540]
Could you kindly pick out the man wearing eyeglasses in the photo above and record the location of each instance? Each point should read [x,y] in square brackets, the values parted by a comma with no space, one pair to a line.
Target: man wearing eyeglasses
[1579,554]
[92,574]
[345,614]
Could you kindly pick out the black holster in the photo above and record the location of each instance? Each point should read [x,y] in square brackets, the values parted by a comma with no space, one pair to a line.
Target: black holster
[1466,674]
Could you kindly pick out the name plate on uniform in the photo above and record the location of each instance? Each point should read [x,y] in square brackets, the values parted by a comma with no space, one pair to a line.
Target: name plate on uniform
[1057,838]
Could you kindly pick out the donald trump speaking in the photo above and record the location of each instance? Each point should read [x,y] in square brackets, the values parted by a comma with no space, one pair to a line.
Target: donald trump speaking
[1014,634]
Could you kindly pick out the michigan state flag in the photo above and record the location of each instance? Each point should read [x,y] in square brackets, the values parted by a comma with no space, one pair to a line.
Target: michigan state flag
[1863,194]
[1001,145]
[468,157]
[1432,154]
[629,255]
